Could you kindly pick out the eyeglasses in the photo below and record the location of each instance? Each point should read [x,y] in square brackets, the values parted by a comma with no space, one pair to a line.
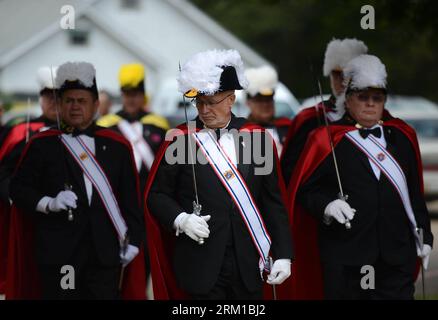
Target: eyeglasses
[377,98]
[198,103]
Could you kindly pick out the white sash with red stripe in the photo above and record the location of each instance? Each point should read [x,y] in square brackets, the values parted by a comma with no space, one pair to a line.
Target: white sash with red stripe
[91,168]
[389,166]
[139,144]
[239,192]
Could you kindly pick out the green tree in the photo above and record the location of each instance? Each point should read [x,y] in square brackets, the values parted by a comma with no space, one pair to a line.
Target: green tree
[293,34]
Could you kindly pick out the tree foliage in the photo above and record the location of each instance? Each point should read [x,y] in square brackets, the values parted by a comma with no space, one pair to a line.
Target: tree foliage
[293,35]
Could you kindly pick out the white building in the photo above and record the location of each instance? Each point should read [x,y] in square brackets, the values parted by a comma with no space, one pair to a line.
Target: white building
[108,33]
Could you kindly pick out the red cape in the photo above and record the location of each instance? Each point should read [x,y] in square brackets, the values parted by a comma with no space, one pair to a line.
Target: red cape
[302,117]
[15,136]
[306,270]
[22,281]
[282,122]
[160,241]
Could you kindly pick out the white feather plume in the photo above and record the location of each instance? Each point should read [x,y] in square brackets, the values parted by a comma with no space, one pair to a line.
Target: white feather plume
[340,52]
[46,77]
[365,71]
[261,79]
[72,71]
[203,71]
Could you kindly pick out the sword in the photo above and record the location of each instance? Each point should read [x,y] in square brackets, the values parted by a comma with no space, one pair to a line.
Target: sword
[67,186]
[122,270]
[316,104]
[341,194]
[197,207]
[423,282]
[28,120]
[274,289]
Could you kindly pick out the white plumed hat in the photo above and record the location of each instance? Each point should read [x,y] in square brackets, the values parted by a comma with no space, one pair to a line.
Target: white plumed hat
[46,78]
[76,75]
[212,71]
[340,52]
[261,80]
[365,71]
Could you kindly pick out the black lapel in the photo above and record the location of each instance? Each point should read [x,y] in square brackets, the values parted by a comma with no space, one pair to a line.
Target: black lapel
[390,141]
[364,160]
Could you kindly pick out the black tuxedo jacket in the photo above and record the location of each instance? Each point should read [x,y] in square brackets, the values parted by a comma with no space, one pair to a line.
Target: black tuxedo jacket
[380,226]
[197,266]
[45,168]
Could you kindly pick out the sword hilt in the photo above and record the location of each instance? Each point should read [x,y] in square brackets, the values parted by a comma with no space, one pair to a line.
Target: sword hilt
[344,197]
[274,289]
[70,216]
[197,207]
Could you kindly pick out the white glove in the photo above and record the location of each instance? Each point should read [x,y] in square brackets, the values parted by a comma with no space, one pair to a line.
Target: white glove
[63,200]
[126,256]
[194,226]
[340,210]
[280,271]
[425,255]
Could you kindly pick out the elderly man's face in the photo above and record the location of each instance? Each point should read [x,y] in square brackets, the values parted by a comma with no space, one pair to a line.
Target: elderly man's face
[337,82]
[262,108]
[215,111]
[48,104]
[366,106]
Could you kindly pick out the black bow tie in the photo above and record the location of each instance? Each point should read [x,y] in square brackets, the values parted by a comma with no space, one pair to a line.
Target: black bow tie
[88,132]
[366,132]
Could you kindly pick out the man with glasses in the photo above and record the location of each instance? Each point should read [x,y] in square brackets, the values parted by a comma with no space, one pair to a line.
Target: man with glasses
[380,224]
[260,100]
[222,251]
[337,55]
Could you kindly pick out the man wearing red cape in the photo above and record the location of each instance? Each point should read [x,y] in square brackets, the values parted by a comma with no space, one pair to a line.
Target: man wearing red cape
[377,222]
[338,53]
[11,149]
[76,206]
[260,100]
[218,251]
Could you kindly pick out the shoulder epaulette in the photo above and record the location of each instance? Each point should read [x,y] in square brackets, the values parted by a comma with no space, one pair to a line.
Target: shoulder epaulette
[109,120]
[155,120]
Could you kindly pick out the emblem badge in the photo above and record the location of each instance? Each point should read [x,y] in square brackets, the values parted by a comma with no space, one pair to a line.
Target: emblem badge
[83,156]
[228,174]
[381,157]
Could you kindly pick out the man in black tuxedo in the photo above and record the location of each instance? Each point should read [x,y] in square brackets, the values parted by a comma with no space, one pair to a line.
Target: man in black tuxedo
[382,232]
[49,183]
[337,54]
[226,265]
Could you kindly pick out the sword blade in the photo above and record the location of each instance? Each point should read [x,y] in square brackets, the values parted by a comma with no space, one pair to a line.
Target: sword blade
[342,196]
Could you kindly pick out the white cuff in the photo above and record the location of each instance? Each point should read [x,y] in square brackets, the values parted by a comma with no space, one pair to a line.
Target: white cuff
[177,222]
[42,204]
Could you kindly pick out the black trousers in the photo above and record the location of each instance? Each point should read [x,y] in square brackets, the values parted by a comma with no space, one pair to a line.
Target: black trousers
[229,285]
[90,279]
[348,283]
